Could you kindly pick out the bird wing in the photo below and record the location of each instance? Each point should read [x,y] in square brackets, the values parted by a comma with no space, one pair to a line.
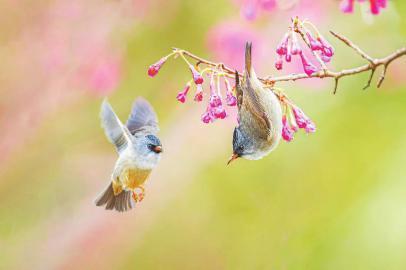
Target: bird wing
[251,98]
[254,105]
[115,131]
[142,117]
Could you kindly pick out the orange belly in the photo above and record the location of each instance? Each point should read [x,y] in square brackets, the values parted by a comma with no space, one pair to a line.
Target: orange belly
[133,178]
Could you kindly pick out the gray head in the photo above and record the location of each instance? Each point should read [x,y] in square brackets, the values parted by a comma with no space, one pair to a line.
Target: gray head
[148,149]
[243,146]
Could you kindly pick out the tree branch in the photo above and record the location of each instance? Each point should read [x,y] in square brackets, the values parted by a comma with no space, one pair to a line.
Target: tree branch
[373,64]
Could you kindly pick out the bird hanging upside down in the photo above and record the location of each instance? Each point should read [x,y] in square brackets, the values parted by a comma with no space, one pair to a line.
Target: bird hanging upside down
[139,151]
[259,113]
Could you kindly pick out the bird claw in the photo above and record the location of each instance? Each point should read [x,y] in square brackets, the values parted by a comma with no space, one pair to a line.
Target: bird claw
[139,196]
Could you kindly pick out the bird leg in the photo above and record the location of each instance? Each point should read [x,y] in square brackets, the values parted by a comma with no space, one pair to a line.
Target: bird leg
[138,196]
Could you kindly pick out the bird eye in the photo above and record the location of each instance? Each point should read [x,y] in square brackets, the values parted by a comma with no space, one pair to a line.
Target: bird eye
[155,148]
[241,148]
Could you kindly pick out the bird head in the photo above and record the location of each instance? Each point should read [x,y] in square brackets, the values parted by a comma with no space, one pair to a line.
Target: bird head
[148,148]
[243,146]
[153,144]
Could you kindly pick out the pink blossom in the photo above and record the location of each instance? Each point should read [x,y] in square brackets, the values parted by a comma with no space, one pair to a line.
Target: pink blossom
[288,56]
[282,47]
[347,6]
[154,68]
[325,58]
[308,67]
[303,121]
[310,127]
[279,63]
[231,100]
[199,93]
[326,48]
[215,100]
[296,49]
[208,116]
[315,45]
[197,77]
[181,97]
[287,131]
[219,112]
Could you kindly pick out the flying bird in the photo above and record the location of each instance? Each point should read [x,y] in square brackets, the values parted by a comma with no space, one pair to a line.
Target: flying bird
[259,113]
[139,150]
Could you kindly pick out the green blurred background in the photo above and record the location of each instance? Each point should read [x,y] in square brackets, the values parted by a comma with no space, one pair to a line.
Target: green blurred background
[330,200]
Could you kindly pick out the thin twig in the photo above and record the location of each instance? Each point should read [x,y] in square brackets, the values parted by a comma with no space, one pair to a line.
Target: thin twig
[373,64]
[353,46]
[370,79]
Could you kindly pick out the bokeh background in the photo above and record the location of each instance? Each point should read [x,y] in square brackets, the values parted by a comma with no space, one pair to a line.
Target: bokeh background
[335,199]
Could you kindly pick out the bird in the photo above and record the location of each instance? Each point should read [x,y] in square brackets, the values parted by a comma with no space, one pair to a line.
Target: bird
[139,151]
[259,115]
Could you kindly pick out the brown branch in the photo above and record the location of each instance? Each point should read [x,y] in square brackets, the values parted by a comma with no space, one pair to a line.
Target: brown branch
[373,64]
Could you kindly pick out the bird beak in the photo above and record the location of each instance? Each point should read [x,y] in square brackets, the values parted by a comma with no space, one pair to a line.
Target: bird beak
[233,157]
[157,149]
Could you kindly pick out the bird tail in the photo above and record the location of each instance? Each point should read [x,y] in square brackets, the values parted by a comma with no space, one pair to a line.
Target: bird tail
[248,58]
[120,202]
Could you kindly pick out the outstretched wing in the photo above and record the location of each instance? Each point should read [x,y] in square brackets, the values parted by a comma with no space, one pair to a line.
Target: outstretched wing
[142,117]
[115,131]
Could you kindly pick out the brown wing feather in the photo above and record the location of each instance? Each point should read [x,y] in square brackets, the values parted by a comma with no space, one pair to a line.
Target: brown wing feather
[255,106]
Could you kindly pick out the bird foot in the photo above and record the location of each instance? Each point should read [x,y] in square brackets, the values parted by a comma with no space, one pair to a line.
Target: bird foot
[139,196]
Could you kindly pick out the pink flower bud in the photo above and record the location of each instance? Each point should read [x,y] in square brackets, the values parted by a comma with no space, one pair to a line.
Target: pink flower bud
[220,112]
[215,101]
[181,97]
[303,121]
[231,100]
[207,118]
[295,45]
[315,45]
[327,49]
[199,93]
[325,58]
[288,56]
[282,47]
[308,67]
[374,6]
[154,68]
[347,6]
[197,77]
[279,63]
[287,132]
[300,117]
[310,127]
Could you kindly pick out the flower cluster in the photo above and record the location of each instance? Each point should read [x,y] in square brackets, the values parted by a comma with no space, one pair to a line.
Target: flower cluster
[215,108]
[294,119]
[290,46]
[347,6]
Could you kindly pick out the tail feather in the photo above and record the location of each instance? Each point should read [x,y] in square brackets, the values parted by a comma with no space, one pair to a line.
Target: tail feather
[248,58]
[121,202]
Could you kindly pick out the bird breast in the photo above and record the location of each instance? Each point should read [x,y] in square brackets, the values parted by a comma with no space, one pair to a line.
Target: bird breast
[132,178]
